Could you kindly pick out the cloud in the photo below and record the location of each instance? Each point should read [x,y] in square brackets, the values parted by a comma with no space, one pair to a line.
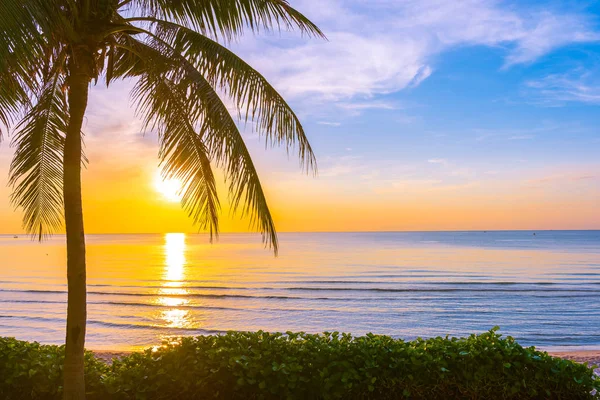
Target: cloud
[521,137]
[425,185]
[384,46]
[381,105]
[548,32]
[335,167]
[578,85]
[582,176]
[543,127]
[355,166]
[442,161]
[329,123]
[349,64]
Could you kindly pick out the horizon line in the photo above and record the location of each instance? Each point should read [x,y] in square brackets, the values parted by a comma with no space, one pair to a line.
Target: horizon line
[351,231]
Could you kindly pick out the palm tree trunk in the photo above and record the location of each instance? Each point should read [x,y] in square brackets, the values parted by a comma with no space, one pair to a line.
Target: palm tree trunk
[74,384]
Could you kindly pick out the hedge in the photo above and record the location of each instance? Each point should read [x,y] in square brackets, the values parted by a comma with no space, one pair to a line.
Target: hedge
[261,365]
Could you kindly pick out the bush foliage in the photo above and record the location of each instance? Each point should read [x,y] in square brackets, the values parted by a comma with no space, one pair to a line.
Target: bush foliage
[261,365]
[29,370]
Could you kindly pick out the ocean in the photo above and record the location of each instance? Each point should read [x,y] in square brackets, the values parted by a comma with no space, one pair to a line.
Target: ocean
[542,287]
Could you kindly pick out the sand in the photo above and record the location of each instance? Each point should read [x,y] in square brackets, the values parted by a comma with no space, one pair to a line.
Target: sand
[592,357]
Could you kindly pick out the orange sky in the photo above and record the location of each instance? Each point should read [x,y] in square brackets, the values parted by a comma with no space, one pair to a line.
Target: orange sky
[120,196]
[352,192]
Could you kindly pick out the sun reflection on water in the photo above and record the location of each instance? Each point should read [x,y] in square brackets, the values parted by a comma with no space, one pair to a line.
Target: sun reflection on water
[174,275]
[174,258]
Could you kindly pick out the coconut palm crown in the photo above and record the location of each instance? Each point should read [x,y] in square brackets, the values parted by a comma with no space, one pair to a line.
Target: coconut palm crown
[52,51]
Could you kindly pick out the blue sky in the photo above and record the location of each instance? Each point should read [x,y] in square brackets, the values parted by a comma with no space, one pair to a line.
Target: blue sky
[480,83]
[517,78]
[424,114]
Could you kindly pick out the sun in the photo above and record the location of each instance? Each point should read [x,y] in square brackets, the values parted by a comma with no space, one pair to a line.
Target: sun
[170,189]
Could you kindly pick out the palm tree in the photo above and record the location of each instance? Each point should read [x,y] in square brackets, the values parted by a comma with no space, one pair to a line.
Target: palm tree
[52,51]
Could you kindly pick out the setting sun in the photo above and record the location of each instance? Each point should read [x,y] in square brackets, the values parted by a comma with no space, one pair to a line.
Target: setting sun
[170,189]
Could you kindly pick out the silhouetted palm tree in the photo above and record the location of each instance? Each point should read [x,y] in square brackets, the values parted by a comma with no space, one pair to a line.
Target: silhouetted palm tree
[51,51]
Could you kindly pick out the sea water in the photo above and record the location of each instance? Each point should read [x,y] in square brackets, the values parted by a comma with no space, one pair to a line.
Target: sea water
[541,287]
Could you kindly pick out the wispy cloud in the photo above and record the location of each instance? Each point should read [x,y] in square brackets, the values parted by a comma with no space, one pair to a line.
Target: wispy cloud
[582,176]
[578,85]
[327,123]
[521,137]
[367,105]
[547,31]
[335,167]
[442,161]
[543,127]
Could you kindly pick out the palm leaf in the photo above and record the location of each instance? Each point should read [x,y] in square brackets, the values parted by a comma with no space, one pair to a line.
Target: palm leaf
[36,170]
[251,92]
[219,132]
[225,18]
[24,45]
[182,153]
[166,46]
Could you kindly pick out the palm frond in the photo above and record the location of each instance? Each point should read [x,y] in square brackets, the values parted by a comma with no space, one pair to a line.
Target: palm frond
[28,53]
[36,172]
[171,48]
[11,99]
[254,97]
[226,18]
[19,47]
[182,153]
[218,132]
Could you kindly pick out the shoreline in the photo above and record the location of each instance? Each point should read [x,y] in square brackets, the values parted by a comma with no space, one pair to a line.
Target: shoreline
[581,356]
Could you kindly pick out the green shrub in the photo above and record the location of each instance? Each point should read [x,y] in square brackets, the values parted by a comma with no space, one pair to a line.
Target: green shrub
[337,366]
[243,365]
[34,371]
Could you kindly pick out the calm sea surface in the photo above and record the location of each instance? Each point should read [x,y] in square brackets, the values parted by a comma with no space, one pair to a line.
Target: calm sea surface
[543,289]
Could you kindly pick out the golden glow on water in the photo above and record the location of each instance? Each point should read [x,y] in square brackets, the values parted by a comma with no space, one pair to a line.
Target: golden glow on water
[167,300]
[174,275]
[174,257]
[176,318]
[542,288]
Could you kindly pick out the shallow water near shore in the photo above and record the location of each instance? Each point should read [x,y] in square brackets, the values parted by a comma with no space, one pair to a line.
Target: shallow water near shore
[543,289]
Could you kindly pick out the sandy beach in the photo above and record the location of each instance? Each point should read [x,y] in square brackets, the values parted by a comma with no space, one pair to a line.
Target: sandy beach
[591,357]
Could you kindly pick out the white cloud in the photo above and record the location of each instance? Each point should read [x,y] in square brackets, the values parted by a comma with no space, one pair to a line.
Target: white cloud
[327,123]
[442,161]
[349,64]
[367,105]
[548,32]
[521,137]
[541,128]
[383,46]
[578,85]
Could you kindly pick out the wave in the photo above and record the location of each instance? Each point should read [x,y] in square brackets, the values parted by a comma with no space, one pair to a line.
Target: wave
[432,283]
[200,295]
[476,289]
[30,318]
[201,331]
[189,307]
[119,325]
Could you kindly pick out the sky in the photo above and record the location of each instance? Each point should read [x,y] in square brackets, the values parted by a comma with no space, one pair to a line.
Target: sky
[423,115]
